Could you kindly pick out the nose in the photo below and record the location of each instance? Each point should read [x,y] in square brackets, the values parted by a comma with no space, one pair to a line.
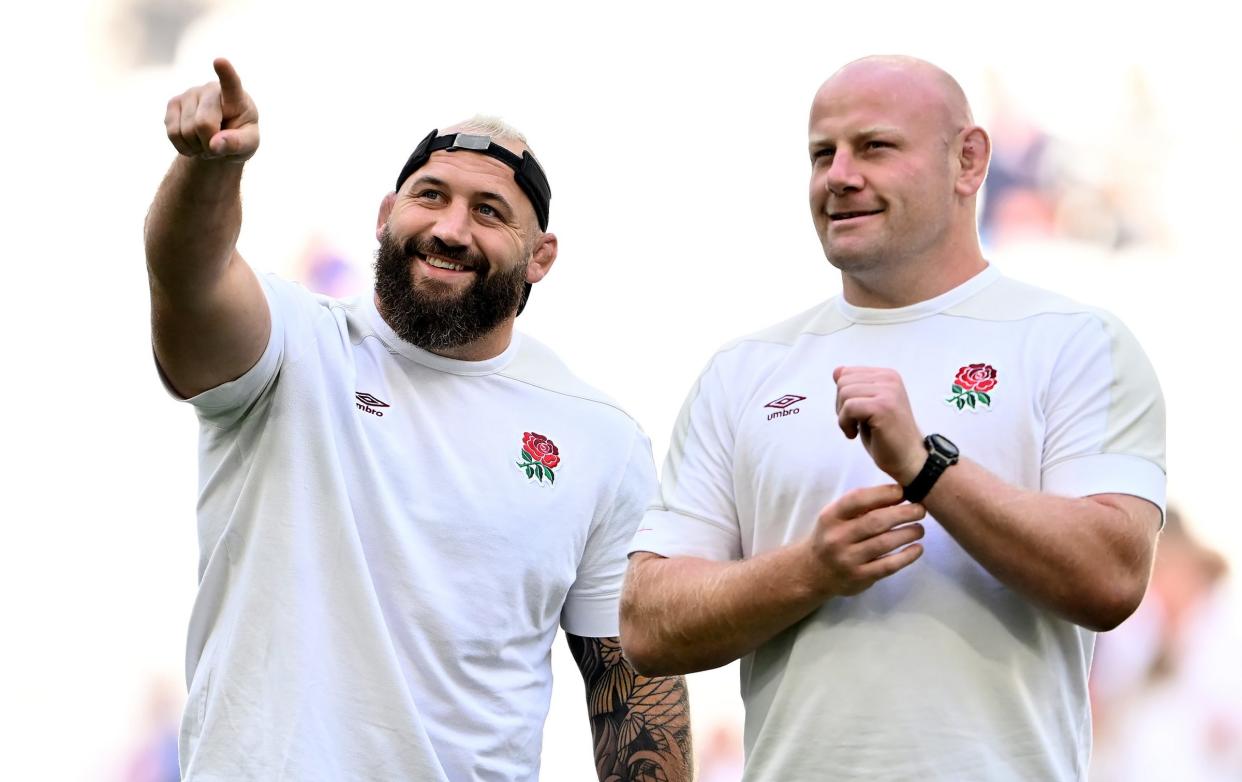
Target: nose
[843,176]
[452,225]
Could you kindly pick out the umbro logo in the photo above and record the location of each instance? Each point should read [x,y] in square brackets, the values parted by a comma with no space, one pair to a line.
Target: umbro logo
[785,401]
[783,406]
[367,403]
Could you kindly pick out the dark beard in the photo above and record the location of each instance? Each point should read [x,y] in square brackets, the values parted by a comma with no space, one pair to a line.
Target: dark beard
[427,314]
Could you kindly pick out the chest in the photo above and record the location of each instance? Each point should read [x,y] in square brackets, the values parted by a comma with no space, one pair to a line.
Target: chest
[477,472]
[984,392]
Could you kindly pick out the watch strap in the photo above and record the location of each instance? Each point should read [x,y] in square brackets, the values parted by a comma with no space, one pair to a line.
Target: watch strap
[918,488]
[941,455]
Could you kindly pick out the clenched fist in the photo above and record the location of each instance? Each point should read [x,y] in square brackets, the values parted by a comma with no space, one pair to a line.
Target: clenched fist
[217,121]
[872,405]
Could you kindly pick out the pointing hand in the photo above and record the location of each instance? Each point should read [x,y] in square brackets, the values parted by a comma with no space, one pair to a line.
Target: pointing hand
[217,121]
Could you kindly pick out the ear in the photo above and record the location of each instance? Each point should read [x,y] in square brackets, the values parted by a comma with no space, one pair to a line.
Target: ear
[385,210]
[974,152]
[542,258]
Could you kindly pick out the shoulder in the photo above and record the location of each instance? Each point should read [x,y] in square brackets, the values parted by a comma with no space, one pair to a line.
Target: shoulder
[288,297]
[541,370]
[821,320]
[750,355]
[1008,299]
[1061,320]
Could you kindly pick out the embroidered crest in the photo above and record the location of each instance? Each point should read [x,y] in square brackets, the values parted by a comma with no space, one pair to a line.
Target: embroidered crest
[971,387]
[539,456]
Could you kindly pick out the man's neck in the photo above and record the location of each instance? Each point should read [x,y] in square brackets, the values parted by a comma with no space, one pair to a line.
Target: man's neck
[490,345]
[909,281]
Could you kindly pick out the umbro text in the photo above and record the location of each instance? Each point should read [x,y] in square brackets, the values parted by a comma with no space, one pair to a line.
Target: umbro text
[780,413]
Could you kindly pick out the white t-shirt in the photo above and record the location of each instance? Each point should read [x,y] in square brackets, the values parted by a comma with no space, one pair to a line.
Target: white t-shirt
[939,671]
[382,568]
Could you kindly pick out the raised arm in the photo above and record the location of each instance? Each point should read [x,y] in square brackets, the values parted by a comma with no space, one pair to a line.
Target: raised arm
[210,320]
[640,725]
[683,614]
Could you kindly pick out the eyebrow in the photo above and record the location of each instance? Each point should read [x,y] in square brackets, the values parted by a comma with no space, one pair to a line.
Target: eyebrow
[485,195]
[878,130]
[865,133]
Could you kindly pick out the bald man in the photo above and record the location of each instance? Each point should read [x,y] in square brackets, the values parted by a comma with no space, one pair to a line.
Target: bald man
[909,509]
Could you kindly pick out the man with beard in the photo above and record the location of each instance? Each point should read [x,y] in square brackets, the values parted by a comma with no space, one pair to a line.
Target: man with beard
[1024,430]
[400,496]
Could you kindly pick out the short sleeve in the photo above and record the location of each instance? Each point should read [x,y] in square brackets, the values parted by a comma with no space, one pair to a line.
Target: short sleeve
[697,512]
[592,605]
[292,308]
[1104,414]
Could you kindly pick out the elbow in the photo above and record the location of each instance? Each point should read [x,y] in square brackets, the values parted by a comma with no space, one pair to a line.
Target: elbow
[643,658]
[648,655]
[640,640]
[637,643]
[1112,604]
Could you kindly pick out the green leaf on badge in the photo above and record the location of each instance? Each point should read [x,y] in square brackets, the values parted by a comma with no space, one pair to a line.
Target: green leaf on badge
[539,472]
[961,402]
[526,457]
[957,389]
[984,398]
[530,472]
[548,472]
[970,399]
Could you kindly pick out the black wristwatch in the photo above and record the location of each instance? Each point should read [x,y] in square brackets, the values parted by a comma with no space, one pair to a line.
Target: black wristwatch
[941,455]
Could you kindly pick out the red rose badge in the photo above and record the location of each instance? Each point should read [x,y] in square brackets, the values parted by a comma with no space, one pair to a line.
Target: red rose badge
[539,456]
[971,386]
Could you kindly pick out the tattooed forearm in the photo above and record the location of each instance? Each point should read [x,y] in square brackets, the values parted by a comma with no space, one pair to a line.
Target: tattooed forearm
[641,724]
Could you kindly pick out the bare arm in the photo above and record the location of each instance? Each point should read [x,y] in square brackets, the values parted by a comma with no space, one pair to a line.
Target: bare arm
[641,725]
[1086,559]
[210,321]
[684,614]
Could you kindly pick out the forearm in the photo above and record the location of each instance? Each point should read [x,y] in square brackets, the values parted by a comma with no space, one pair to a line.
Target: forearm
[192,227]
[685,614]
[640,725]
[1086,559]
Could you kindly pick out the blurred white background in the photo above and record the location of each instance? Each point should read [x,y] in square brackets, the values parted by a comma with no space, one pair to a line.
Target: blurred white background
[673,135]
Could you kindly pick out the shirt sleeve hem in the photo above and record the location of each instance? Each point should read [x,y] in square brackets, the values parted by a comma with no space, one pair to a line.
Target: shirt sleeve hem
[1107,473]
[671,533]
[595,616]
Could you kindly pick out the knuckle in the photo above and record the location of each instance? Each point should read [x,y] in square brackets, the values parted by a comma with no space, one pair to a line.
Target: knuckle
[205,123]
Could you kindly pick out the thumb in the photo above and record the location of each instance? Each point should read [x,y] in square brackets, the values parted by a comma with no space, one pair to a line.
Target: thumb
[239,143]
[221,143]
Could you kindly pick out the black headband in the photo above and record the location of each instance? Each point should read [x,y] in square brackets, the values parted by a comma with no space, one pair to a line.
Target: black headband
[526,170]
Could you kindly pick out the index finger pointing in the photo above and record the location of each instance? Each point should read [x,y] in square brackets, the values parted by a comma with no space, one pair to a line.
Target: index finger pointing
[231,93]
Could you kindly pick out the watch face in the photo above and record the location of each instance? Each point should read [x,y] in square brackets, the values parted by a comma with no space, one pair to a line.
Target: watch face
[942,445]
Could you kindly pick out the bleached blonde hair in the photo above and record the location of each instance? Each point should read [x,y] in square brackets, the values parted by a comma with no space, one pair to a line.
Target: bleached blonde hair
[488,125]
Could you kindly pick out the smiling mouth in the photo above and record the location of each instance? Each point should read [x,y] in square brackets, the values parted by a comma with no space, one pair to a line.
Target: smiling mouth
[838,216]
[440,263]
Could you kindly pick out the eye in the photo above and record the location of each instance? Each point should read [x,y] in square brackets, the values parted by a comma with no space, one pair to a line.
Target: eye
[429,195]
[879,144]
[825,153]
[491,211]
